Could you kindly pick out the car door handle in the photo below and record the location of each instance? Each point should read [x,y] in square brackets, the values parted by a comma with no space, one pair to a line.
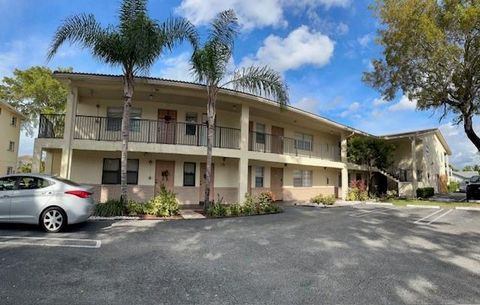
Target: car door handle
[48,193]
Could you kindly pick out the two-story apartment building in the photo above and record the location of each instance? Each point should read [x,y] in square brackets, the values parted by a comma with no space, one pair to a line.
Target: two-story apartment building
[10,120]
[258,146]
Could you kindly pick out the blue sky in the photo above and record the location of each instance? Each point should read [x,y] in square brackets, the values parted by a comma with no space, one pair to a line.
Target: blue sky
[322,47]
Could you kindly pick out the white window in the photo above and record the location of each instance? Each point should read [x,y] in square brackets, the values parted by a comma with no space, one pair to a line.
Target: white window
[14,121]
[260,133]
[259,174]
[114,119]
[10,170]
[303,141]
[191,129]
[11,146]
[302,178]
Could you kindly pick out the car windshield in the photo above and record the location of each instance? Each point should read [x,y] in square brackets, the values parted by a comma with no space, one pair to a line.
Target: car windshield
[66,181]
[475,179]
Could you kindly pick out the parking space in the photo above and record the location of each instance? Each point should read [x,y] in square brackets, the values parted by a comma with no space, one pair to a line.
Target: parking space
[350,255]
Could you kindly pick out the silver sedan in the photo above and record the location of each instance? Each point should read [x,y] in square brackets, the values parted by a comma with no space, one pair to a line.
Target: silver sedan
[49,201]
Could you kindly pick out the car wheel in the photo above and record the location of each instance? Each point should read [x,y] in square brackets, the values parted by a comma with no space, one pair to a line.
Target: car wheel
[53,220]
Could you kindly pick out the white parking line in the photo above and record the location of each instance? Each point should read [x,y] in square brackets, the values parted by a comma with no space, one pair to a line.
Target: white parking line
[429,215]
[370,211]
[444,214]
[51,242]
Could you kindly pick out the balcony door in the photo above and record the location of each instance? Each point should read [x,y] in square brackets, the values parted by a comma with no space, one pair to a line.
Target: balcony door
[277,140]
[276,183]
[166,129]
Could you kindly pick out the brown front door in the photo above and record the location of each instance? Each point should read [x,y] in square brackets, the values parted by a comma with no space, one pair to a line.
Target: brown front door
[166,128]
[203,170]
[277,140]
[164,175]
[276,183]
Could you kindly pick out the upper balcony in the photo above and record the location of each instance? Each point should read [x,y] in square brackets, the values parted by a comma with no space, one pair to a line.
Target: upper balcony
[142,131]
[275,144]
[98,128]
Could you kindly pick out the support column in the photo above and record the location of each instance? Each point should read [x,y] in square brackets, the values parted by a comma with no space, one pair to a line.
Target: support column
[243,162]
[343,158]
[70,113]
[36,158]
[414,167]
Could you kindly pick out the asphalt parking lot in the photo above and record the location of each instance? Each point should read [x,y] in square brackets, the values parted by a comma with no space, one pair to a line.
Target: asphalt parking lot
[347,255]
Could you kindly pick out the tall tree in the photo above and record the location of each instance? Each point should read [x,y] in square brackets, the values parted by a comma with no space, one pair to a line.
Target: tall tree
[209,64]
[133,44]
[371,152]
[431,54]
[34,91]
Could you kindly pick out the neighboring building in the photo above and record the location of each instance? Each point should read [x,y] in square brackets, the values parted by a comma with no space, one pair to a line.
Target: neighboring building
[10,120]
[420,160]
[258,146]
[462,176]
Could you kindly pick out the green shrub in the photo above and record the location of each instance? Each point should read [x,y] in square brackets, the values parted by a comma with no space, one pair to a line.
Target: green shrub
[109,208]
[136,208]
[217,209]
[163,205]
[271,208]
[391,194]
[453,186]
[425,192]
[234,210]
[249,206]
[355,194]
[265,198]
[321,199]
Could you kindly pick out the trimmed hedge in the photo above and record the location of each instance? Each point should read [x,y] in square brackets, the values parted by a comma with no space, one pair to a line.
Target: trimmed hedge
[425,192]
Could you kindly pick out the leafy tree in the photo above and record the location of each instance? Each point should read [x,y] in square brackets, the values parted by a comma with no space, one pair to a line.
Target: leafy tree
[371,152]
[34,91]
[467,168]
[209,64]
[432,54]
[133,44]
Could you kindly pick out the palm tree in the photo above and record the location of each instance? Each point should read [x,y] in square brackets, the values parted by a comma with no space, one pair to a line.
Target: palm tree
[134,45]
[209,64]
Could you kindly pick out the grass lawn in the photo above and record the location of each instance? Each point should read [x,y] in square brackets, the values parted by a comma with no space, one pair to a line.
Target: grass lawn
[404,202]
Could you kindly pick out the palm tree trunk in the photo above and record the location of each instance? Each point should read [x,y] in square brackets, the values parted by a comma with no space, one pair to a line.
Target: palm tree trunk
[127,105]
[210,138]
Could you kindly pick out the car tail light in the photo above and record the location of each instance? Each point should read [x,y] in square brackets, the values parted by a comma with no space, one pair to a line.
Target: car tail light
[81,194]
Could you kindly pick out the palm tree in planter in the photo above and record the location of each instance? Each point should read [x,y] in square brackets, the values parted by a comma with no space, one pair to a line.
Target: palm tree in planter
[209,65]
[134,45]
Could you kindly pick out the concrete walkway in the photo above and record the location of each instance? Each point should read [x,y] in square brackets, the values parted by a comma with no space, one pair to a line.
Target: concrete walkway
[191,214]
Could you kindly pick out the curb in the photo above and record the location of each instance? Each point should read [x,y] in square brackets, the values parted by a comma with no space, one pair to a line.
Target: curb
[423,206]
[114,218]
[467,209]
[379,203]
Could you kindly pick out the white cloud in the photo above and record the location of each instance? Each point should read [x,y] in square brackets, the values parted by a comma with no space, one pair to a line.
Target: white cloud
[364,40]
[379,101]
[301,47]
[463,151]
[351,110]
[176,68]
[251,13]
[404,105]
[307,104]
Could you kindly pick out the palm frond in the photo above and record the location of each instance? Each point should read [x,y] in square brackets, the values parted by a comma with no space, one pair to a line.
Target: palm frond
[80,29]
[130,11]
[261,81]
[177,30]
[209,63]
[224,29]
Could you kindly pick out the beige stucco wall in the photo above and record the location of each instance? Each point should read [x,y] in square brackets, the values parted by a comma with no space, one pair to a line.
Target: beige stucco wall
[433,164]
[8,133]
